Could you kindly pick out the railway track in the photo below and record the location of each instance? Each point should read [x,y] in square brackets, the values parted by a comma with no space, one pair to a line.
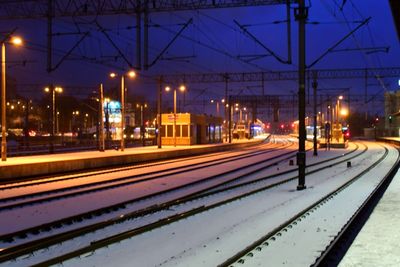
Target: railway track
[59,178]
[28,248]
[331,254]
[18,201]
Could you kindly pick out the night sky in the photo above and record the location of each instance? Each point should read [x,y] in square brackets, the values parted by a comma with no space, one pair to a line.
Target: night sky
[212,43]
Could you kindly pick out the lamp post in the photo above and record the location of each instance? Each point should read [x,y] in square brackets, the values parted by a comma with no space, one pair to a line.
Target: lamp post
[53,90]
[182,88]
[217,104]
[101,120]
[16,41]
[142,126]
[131,74]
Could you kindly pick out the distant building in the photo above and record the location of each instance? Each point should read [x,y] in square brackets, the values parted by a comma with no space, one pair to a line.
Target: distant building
[191,129]
[392,113]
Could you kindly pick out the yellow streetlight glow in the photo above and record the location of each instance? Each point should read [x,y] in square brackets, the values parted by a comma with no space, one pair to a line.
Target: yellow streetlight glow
[182,88]
[344,112]
[107,100]
[58,89]
[212,100]
[113,75]
[15,40]
[167,88]
[132,74]
[47,89]
[223,100]
[340,97]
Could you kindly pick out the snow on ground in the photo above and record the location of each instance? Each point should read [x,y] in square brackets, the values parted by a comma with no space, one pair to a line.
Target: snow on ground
[50,211]
[377,244]
[208,238]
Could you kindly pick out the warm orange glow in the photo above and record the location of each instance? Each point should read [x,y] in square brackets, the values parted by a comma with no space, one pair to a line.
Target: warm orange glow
[16,40]
[182,88]
[58,89]
[223,100]
[340,97]
[47,89]
[344,112]
[132,74]
[113,75]
[167,89]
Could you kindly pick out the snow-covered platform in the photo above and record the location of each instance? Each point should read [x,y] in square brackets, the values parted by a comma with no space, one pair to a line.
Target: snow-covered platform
[18,167]
[377,244]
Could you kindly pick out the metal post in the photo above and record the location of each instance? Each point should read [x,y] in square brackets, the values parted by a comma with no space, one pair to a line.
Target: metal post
[122,112]
[301,14]
[3,104]
[53,107]
[159,112]
[226,109]
[138,36]
[101,116]
[49,35]
[230,109]
[142,122]
[174,130]
[314,85]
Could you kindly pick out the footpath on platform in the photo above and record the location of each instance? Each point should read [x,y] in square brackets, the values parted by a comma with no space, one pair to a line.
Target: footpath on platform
[377,242]
[15,168]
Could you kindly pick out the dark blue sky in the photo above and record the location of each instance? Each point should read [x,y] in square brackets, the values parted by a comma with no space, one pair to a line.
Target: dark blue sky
[212,43]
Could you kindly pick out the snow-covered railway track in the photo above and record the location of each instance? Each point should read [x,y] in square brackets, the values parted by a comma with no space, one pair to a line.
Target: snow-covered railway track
[11,198]
[170,216]
[46,180]
[33,231]
[317,236]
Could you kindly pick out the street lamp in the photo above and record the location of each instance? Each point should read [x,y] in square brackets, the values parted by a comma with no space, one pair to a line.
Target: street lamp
[217,103]
[16,41]
[53,90]
[130,74]
[142,126]
[182,88]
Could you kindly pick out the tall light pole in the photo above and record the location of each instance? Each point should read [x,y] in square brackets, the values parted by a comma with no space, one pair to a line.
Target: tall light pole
[301,14]
[159,107]
[217,104]
[53,90]
[182,88]
[101,120]
[16,41]
[131,74]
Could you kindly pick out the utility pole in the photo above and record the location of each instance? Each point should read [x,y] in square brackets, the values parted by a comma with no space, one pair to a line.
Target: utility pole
[101,121]
[315,85]
[160,82]
[301,14]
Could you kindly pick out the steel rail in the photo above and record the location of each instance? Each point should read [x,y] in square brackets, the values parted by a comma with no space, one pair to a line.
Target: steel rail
[16,251]
[122,181]
[249,251]
[25,182]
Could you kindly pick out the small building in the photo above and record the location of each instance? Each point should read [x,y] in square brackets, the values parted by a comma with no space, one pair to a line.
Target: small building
[392,113]
[191,129]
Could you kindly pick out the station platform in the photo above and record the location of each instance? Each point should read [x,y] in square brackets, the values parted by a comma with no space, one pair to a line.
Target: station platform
[377,244]
[15,168]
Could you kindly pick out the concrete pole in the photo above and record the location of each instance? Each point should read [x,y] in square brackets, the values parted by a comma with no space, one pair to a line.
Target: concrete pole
[315,85]
[301,14]
[101,116]
[122,112]
[3,104]
[159,112]
[53,108]
[174,130]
